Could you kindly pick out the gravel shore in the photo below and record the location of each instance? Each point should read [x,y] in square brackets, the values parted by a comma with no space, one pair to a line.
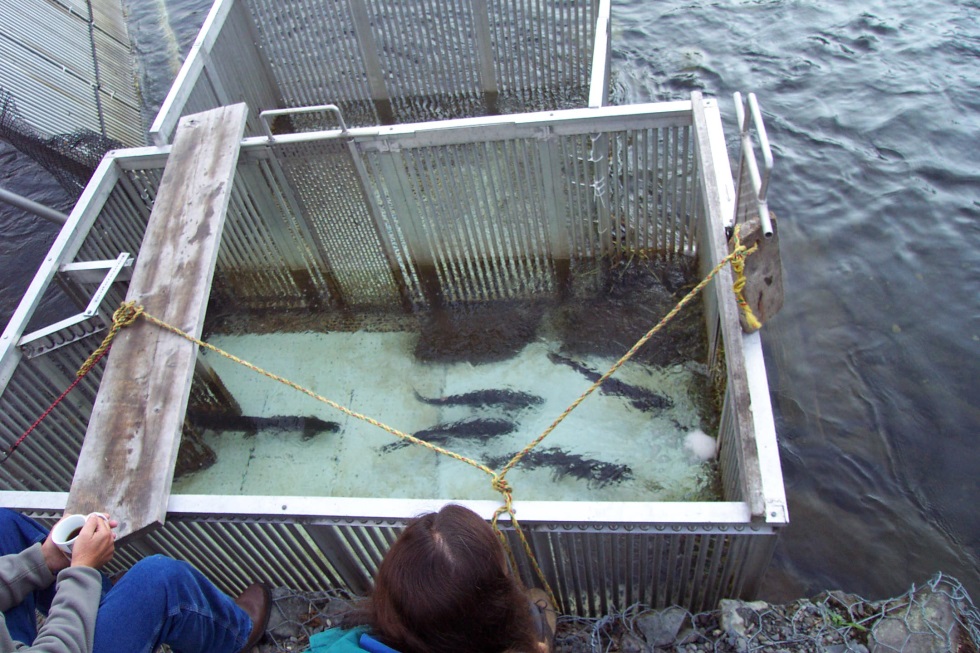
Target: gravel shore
[938,616]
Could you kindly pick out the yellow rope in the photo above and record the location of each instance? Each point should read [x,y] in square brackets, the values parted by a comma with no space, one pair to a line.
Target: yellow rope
[738,265]
[740,251]
[128,312]
[123,316]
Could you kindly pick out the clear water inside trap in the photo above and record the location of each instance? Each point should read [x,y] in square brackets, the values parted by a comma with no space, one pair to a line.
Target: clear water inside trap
[480,380]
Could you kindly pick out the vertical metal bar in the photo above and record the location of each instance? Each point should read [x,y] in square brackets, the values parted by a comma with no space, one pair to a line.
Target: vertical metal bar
[521,25]
[665,191]
[420,168]
[601,58]
[463,225]
[677,172]
[687,563]
[380,232]
[369,51]
[476,250]
[440,226]
[602,570]
[599,158]
[442,196]
[537,222]
[477,180]
[523,245]
[731,576]
[500,188]
[588,560]
[682,218]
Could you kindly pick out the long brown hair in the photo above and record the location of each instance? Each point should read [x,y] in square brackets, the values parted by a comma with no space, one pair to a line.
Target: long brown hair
[444,586]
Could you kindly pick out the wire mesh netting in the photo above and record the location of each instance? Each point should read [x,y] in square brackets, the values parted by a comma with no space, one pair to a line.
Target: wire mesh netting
[71,158]
[938,616]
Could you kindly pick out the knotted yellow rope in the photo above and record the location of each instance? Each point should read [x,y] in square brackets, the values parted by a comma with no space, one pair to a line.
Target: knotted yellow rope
[738,266]
[123,316]
[128,313]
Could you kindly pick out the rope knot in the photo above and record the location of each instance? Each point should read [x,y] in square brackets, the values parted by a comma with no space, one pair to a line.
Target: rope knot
[126,314]
[738,255]
[501,485]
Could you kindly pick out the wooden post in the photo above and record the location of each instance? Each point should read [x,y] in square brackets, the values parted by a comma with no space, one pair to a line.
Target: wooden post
[127,460]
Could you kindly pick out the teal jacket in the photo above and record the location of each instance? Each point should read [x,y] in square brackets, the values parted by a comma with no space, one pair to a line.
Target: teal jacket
[337,640]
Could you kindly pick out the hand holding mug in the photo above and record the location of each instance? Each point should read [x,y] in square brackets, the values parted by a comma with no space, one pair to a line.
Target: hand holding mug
[95,544]
[85,540]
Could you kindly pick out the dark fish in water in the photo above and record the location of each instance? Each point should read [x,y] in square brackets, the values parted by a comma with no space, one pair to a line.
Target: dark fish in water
[507,399]
[467,429]
[596,472]
[309,426]
[641,398]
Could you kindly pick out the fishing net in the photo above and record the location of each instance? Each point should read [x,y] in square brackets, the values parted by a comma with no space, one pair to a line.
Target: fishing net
[71,158]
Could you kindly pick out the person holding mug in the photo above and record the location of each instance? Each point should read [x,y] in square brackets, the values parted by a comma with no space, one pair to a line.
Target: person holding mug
[158,601]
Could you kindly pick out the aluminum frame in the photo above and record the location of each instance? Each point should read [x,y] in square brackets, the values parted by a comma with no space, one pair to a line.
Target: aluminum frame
[598,555]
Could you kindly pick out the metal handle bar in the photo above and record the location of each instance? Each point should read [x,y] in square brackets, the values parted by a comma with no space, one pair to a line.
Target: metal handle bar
[760,184]
[264,116]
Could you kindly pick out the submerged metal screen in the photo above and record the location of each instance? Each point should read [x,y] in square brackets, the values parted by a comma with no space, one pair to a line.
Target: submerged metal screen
[386,61]
[494,208]
[375,217]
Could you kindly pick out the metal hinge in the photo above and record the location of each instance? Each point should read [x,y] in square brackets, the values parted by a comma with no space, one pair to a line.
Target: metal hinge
[87,322]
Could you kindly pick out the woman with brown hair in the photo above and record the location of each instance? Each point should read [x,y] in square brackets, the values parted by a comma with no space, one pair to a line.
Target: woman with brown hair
[445,586]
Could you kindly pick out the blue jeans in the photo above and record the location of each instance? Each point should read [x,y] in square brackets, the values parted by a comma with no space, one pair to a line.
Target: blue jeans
[158,601]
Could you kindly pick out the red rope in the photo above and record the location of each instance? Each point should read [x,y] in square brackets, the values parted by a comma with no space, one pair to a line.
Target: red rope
[57,401]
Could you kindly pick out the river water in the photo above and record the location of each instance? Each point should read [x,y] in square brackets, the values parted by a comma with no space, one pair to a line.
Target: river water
[873,111]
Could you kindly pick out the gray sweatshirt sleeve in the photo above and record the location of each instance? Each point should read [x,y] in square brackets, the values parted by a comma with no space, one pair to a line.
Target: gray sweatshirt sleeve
[20,574]
[70,624]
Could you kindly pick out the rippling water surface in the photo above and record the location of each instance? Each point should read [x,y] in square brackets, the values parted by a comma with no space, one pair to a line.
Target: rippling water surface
[873,111]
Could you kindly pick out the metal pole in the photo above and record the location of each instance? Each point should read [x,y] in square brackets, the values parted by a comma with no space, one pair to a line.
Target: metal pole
[33,207]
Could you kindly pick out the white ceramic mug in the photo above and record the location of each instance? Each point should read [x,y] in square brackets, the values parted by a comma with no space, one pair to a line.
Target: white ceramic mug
[67,530]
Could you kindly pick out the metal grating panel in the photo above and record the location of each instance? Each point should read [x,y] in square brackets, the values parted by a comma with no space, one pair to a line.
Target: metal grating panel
[387,61]
[473,215]
[242,75]
[428,59]
[68,71]
[543,50]
[594,572]
[312,48]
[262,261]
[327,187]
[46,460]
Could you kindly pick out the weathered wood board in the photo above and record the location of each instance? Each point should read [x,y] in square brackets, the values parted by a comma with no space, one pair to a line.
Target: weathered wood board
[127,460]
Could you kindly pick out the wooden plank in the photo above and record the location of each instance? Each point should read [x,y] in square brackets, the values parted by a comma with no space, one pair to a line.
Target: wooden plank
[127,460]
[719,197]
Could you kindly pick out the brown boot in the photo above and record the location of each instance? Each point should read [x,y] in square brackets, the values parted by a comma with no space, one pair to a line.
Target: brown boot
[545,618]
[256,601]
